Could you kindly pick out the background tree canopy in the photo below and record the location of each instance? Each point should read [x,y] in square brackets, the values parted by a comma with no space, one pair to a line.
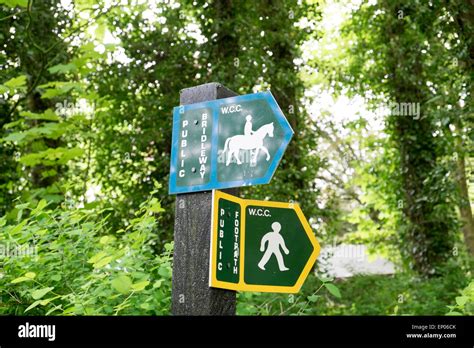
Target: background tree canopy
[379,95]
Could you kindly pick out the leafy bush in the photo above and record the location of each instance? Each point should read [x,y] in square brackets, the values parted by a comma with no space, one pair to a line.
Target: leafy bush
[465,302]
[69,262]
[313,292]
[399,294]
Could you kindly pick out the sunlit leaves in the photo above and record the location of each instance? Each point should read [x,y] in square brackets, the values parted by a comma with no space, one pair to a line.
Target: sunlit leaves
[16,82]
[14,3]
[59,155]
[333,289]
[87,268]
[49,130]
[140,285]
[62,68]
[103,262]
[155,206]
[48,115]
[464,303]
[122,284]
[57,88]
[29,276]
[43,303]
[39,293]
[401,59]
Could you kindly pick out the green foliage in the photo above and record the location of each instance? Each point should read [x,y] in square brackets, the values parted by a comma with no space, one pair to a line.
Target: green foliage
[464,303]
[314,291]
[74,179]
[13,3]
[15,83]
[71,262]
[413,45]
[378,217]
[399,294]
[28,124]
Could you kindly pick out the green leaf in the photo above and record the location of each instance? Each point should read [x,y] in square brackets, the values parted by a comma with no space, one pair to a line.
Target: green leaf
[54,92]
[62,68]
[12,124]
[48,173]
[30,275]
[106,239]
[56,277]
[99,32]
[55,308]
[49,115]
[41,204]
[122,284]
[55,88]
[18,227]
[13,3]
[461,300]
[73,153]
[102,262]
[155,206]
[33,305]
[69,310]
[164,272]
[20,279]
[48,300]
[145,306]
[17,136]
[41,302]
[37,294]
[434,99]
[31,159]
[97,257]
[59,155]
[51,130]
[333,289]
[313,298]
[16,82]
[140,285]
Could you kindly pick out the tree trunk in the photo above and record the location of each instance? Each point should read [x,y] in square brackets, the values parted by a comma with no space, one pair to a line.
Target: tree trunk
[464,19]
[465,205]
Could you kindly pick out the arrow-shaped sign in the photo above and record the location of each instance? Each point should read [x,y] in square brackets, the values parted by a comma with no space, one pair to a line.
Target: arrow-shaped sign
[229,142]
[259,245]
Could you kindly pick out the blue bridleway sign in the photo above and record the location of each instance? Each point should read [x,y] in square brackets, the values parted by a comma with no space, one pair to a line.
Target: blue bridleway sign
[229,142]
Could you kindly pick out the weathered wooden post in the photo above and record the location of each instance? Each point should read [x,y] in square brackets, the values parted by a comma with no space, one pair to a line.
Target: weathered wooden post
[191,294]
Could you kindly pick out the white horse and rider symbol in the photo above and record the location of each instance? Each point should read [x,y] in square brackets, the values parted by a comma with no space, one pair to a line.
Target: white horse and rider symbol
[251,140]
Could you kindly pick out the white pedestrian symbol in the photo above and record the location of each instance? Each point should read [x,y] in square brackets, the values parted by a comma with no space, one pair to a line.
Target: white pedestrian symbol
[250,140]
[275,241]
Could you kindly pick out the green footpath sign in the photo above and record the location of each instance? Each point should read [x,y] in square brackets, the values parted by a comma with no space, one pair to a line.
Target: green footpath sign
[259,245]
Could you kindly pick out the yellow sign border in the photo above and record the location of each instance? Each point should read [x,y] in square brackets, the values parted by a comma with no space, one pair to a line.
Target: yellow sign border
[241,285]
[213,281]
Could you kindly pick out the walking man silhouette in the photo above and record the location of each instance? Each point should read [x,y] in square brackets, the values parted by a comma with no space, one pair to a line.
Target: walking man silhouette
[275,241]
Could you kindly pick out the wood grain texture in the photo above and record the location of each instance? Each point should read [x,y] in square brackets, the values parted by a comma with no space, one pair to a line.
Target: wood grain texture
[191,294]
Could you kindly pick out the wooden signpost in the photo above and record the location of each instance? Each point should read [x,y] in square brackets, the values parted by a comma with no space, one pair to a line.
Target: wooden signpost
[191,294]
[219,141]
